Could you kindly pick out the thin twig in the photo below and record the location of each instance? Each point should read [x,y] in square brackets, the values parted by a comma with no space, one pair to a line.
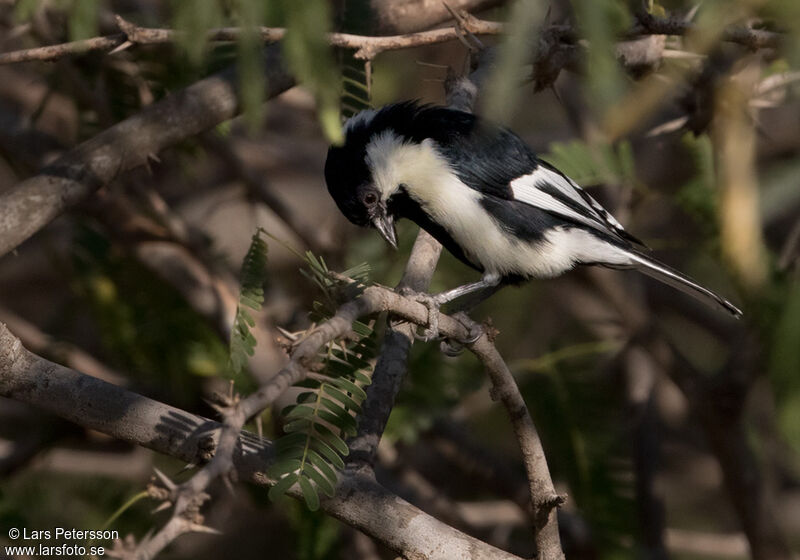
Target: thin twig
[392,364]
[366,47]
[754,39]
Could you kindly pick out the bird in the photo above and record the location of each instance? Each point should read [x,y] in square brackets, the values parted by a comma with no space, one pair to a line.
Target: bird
[480,191]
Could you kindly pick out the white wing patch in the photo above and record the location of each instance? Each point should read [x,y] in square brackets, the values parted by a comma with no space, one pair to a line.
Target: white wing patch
[584,209]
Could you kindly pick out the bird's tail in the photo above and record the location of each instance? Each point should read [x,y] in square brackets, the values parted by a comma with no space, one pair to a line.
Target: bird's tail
[665,274]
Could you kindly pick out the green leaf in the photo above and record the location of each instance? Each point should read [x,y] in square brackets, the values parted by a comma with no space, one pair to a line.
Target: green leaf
[83,19]
[297,425]
[347,401]
[282,467]
[194,20]
[362,377]
[251,295]
[25,10]
[327,451]
[309,494]
[503,86]
[332,439]
[308,397]
[347,385]
[345,422]
[322,465]
[300,412]
[601,22]
[322,483]
[282,486]
[361,329]
[309,57]
[334,407]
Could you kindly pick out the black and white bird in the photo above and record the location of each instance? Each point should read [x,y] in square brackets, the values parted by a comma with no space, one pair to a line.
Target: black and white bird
[483,194]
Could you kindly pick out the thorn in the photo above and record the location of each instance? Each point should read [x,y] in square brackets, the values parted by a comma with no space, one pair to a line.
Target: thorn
[218,408]
[693,12]
[462,30]
[430,65]
[667,127]
[289,335]
[197,528]
[168,484]
[123,47]
[452,11]
[187,467]
[161,507]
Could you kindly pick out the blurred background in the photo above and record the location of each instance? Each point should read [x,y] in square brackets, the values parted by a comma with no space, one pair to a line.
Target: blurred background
[673,429]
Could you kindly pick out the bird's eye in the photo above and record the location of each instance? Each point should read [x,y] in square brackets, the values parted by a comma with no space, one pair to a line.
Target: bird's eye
[370,198]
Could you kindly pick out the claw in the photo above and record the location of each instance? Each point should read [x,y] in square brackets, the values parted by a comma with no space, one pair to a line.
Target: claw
[431,332]
[475,330]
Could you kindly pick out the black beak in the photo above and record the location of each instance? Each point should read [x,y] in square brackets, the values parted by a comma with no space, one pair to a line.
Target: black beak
[384,223]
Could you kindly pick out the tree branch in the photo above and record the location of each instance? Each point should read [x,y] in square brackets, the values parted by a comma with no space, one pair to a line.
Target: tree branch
[360,501]
[33,203]
[390,370]
[365,47]
[648,24]
[544,498]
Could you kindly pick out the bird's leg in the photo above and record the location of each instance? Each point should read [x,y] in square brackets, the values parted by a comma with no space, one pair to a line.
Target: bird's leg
[488,281]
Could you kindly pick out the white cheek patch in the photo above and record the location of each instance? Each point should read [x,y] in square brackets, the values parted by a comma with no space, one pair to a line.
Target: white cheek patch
[393,161]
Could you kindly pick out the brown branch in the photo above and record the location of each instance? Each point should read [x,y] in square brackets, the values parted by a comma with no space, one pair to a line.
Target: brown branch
[365,47]
[406,16]
[55,52]
[359,502]
[393,358]
[64,352]
[32,204]
[648,24]
[544,498]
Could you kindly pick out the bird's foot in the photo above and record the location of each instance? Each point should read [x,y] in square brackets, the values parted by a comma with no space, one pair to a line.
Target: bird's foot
[450,347]
[453,347]
[431,332]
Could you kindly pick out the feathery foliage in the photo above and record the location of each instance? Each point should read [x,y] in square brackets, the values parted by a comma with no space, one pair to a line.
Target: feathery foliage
[580,417]
[356,74]
[356,94]
[251,296]
[309,57]
[594,164]
[313,448]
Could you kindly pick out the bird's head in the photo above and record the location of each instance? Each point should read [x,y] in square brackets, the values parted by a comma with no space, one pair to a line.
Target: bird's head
[386,160]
